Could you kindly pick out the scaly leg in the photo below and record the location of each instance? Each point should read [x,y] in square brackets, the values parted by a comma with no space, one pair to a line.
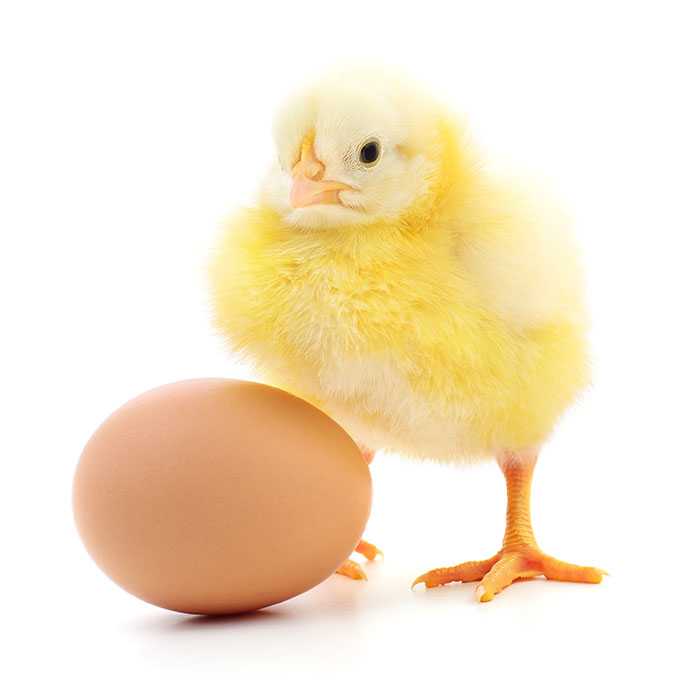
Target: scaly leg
[351,568]
[520,557]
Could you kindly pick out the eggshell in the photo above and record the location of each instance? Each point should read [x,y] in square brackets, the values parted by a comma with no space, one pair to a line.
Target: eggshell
[218,496]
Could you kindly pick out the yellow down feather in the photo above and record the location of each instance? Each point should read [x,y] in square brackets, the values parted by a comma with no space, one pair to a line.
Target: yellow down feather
[453,331]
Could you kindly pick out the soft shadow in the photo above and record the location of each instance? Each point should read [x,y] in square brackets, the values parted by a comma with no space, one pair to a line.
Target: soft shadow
[166,622]
[254,617]
[333,598]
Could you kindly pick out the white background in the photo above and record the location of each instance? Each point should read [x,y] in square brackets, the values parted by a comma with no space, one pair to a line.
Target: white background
[130,130]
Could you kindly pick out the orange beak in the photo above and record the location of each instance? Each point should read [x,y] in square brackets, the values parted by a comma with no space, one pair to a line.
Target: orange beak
[308,185]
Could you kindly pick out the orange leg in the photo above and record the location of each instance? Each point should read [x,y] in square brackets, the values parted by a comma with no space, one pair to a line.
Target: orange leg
[350,568]
[367,454]
[520,557]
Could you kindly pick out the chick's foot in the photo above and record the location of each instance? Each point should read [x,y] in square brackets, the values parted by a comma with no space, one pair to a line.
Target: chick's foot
[352,569]
[522,562]
[520,557]
[368,550]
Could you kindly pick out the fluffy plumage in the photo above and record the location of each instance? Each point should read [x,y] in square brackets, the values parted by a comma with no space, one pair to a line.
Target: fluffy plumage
[434,310]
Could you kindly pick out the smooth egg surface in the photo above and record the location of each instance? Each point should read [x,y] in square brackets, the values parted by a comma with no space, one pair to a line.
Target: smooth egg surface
[217,496]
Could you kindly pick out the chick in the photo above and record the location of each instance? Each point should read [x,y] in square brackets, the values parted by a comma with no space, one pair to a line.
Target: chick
[431,309]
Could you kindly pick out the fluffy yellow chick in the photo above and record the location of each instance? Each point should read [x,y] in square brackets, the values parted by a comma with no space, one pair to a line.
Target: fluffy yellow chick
[429,308]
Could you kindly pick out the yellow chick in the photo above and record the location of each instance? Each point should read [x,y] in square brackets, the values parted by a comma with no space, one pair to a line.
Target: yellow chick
[429,308]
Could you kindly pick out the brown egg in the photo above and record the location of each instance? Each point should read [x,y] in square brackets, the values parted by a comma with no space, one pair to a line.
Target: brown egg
[217,496]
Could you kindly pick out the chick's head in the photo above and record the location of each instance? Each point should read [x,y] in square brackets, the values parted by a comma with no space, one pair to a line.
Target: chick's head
[357,147]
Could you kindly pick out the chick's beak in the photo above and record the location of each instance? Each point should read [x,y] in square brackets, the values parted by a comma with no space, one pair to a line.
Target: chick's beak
[308,185]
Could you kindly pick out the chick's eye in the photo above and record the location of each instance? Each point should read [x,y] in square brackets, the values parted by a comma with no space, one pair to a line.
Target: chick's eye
[369,153]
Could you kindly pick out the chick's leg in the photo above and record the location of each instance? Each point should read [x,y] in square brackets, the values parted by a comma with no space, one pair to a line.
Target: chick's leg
[351,568]
[520,557]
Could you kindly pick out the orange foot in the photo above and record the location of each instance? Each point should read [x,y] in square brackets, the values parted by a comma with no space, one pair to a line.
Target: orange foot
[510,564]
[352,569]
[520,557]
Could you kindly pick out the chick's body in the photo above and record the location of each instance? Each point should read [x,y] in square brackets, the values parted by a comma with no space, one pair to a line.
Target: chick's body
[401,332]
[451,327]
